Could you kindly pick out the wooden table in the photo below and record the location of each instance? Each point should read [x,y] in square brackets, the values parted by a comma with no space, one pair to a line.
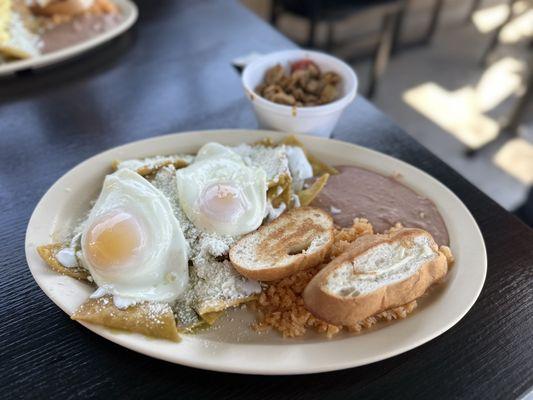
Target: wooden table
[172,73]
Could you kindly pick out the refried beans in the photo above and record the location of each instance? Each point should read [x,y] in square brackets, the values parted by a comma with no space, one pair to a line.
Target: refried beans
[383,201]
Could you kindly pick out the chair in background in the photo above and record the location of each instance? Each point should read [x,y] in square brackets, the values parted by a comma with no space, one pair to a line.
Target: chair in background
[495,36]
[332,11]
[516,114]
[525,211]
[474,6]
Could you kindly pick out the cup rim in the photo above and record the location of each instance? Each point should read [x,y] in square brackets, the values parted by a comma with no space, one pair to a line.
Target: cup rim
[281,56]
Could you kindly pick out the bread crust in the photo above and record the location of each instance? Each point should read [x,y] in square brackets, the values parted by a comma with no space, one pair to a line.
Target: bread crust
[340,310]
[298,262]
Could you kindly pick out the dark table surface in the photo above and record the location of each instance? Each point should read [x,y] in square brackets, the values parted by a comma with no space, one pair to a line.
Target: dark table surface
[171,73]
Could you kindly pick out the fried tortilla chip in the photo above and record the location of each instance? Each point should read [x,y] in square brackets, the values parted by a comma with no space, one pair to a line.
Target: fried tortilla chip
[319,167]
[267,142]
[150,166]
[281,191]
[48,254]
[205,312]
[211,318]
[216,286]
[209,307]
[187,319]
[273,160]
[306,196]
[148,318]
[203,322]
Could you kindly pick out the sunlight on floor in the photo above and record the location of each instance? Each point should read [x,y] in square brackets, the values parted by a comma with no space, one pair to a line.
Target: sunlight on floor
[516,158]
[519,28]
[462,112]
[456,112]
[489,18]
[499,82]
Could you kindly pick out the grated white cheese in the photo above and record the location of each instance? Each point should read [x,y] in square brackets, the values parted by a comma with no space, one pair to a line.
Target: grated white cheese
[273,212]
[68,256]
[299,167]
[295,200]
[200,242]
[153,162]
[119,301]
[213,282]
[273,160]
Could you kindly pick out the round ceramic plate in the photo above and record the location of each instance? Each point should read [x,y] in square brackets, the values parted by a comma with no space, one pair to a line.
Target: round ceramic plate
[128,10]
[231,346]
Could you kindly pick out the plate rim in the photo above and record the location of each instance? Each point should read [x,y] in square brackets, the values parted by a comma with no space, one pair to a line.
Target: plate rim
[129,340]
[58,56]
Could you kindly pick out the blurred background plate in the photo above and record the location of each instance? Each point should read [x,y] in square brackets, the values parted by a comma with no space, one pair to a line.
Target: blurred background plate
[129,12]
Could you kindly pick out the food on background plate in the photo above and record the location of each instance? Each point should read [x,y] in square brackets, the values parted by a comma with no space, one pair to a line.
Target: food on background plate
[304,86]
[173,241]
[69,8]
[17,39]
[31,28]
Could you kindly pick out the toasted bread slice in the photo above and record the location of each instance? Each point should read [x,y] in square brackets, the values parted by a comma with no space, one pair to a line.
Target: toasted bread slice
[299,239]
[376,273]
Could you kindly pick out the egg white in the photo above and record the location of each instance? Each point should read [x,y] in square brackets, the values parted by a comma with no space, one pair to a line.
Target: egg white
[160,272]
[217,164]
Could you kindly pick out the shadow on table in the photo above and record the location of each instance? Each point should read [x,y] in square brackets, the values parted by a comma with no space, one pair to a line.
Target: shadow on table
[525,211]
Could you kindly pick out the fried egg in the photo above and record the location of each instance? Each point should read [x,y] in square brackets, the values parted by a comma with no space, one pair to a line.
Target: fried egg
[132,243]
[220,194]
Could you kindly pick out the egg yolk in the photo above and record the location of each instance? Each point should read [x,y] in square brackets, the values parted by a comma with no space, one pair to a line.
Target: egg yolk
[222,202]
[113,240]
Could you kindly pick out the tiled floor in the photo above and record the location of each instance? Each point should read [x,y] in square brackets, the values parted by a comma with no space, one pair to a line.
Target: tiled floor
[439,93]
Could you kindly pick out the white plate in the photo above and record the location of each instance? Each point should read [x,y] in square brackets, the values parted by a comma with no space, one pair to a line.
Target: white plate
[232,346]
[128,10]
